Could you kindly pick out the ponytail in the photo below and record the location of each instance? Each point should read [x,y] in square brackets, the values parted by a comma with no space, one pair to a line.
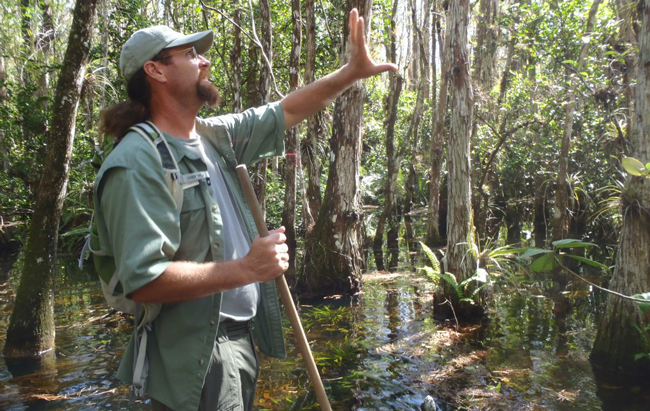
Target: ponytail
[118,118]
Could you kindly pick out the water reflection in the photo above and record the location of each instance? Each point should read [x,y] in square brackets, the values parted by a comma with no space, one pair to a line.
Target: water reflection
[379,351]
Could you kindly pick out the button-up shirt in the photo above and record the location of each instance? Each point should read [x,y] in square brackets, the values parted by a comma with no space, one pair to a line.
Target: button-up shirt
[138,224]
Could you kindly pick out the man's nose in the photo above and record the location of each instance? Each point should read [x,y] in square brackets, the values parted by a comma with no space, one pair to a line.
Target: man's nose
[203,61]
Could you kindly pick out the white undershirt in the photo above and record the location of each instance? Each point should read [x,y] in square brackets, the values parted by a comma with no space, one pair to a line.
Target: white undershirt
[239,304]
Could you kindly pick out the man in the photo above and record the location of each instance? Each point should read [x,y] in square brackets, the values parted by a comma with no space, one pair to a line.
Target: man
[201,265]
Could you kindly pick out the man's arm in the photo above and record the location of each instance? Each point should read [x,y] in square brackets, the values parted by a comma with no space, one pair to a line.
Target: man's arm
[314,97]
[184,281]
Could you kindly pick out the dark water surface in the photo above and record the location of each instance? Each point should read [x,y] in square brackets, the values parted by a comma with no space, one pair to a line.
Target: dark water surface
[379,351]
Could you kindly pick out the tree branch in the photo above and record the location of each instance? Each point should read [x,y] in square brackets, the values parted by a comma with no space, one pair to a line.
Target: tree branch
[253,38]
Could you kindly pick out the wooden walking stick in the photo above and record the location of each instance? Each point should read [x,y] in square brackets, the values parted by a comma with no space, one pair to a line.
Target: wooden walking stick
[285,294]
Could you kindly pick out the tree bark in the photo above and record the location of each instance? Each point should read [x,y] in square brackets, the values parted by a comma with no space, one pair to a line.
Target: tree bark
[623,329]
[235,58]
[31,329]
[4,154]
[392,167]
[311,158]
[439,113]
[332,253]
[43,44]
[460,255]
[486,47]
[260,169]
[292,146]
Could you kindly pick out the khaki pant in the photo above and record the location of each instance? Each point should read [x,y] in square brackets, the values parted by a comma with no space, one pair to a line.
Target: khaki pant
[232,374]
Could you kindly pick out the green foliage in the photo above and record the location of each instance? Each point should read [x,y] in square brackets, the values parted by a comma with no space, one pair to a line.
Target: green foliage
[547,260]
[635,167]
[436,274]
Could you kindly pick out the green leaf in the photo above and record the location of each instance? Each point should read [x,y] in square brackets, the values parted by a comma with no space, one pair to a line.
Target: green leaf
[643,306]
[532,252]
[76,231]
[544,263]
[450,278]
[432,258]
[507,250]
[586,261]
[637,357]
[633,166]
[571,243]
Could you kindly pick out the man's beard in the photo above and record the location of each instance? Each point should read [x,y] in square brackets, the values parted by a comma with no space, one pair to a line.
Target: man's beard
[208,93]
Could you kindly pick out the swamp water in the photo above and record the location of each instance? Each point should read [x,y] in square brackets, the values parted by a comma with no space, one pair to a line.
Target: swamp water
[379,351]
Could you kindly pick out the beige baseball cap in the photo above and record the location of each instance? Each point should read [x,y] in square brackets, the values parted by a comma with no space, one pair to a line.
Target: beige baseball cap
[146,43]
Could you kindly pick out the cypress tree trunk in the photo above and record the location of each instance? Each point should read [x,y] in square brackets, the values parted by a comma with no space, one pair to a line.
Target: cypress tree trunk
[311,159]
[292,146]
[31,329]
[622,332]
[392,168]
[460,242]
[439,113]
[332,253]
[4,154]
[486,47]
[235,59]
[260,169]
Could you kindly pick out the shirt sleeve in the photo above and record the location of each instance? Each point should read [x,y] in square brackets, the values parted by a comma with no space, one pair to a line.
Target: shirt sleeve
[142,223]
[254,134]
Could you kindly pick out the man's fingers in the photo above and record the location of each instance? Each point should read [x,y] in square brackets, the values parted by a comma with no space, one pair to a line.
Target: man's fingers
[280,229]
[354,17]
[361,33]
[385,67]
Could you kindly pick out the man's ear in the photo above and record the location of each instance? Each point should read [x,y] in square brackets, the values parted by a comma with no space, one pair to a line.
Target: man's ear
[152,69]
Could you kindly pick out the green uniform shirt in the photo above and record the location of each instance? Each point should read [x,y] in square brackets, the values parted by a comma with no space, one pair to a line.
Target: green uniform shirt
[139,225]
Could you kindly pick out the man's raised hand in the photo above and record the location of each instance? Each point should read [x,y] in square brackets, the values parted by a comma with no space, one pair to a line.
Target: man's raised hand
[360,63]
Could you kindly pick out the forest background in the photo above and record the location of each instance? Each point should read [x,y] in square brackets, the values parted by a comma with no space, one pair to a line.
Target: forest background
[505,125]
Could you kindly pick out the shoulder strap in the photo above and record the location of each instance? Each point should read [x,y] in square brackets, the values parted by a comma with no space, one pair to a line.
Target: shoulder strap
[148,130]
[153,136]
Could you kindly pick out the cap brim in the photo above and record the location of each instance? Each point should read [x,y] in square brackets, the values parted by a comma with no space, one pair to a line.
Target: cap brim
[201,41]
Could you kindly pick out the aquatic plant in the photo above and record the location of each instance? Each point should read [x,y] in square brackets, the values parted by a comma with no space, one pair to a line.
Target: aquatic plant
[436,273]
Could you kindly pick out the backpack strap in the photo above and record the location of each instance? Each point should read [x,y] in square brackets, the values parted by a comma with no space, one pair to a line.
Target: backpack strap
[169,163]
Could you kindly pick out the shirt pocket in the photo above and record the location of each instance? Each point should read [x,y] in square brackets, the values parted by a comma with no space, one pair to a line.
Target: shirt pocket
[195,240]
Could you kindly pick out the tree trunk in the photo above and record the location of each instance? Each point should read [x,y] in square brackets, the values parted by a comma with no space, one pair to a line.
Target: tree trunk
[28,40]
[43,42]
[563,191]
[460,255]
[433,211]
[392,168]
[260,169]
[626,10]
[486,38]
[311,157]
[409,236]
[332,253]
[292,146]
[31,329]
[4,153]
[235,59]
[623,329]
